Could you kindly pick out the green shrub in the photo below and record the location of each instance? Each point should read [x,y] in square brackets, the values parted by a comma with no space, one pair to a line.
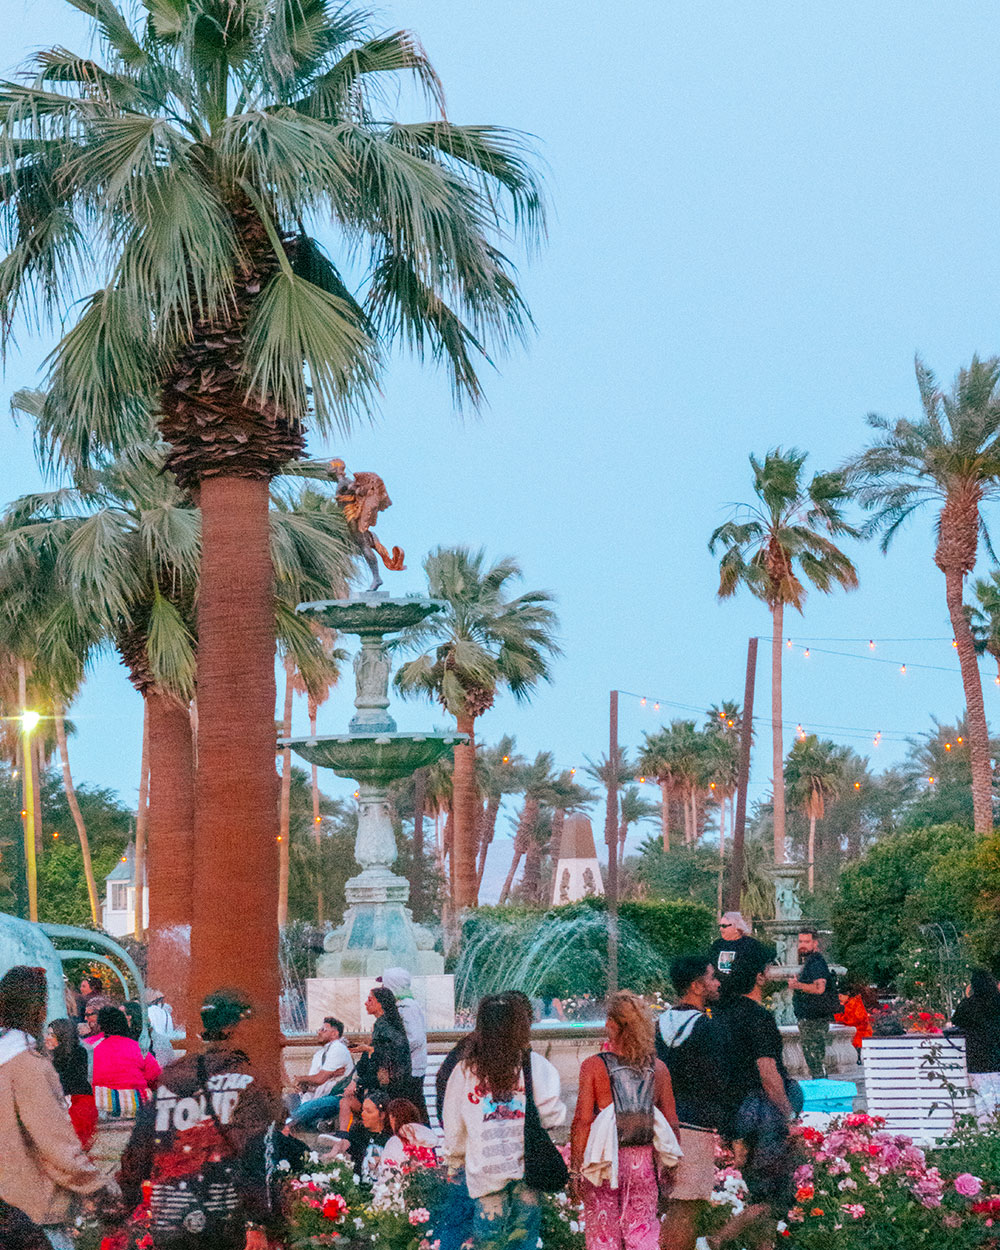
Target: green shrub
[562,952]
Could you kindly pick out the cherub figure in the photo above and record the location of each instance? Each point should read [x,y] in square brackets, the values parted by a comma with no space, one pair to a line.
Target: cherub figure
[362,497]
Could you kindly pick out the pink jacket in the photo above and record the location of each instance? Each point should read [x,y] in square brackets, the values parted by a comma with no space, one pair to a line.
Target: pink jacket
[120,1064]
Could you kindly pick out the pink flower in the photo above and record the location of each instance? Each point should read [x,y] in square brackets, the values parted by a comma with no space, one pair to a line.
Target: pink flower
[334,1207]
[854,1209]
[968,1185]
[420,1216]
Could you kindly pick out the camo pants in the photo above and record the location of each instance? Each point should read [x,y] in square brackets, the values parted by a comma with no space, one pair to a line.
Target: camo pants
[813,1035]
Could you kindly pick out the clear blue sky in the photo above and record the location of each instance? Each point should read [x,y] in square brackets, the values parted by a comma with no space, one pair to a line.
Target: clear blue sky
[760,211]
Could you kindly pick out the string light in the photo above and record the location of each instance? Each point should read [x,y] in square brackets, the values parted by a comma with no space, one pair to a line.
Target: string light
[656,707]
[318,819]
[506,759]
[902,669]
[857,785]
[55,833]
[871,644]
[572,772]
[947,746]
[643,700]
[807,653]
[789,644]
[960,741]
[930,780]
[954,642]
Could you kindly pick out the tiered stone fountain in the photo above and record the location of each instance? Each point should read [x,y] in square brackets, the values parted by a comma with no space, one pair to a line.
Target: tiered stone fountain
[378,931]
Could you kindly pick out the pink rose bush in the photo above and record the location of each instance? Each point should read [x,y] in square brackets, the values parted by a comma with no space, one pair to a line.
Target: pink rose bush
[862,1188]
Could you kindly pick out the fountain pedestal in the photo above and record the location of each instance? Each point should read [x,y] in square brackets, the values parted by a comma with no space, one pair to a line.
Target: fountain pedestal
[378,930]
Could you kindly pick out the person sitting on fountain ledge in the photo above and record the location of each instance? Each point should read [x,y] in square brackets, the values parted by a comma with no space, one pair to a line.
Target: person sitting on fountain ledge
[329,1073]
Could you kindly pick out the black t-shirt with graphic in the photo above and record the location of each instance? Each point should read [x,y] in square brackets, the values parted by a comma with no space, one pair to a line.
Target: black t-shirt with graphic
[196,1161]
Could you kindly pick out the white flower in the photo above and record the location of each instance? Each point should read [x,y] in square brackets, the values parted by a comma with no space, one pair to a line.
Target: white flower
[358,1222]
[313,1156]
[284,1165]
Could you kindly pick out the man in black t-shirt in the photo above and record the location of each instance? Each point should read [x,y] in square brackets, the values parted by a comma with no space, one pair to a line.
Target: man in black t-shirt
[813,991]
[734,938]
[688,1041]
[758,1108]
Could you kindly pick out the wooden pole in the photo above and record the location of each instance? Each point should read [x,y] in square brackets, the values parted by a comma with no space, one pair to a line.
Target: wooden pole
[735,885]
[611,838]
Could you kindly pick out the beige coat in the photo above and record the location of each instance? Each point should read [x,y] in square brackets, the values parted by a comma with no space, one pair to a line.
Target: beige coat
[42,1163]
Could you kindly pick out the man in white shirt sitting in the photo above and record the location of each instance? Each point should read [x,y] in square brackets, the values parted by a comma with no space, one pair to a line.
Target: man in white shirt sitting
[329,1073]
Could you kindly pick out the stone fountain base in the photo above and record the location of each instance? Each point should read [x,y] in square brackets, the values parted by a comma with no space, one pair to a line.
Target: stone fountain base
[344,998]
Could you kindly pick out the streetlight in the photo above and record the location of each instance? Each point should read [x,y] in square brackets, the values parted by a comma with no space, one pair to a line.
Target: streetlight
[29,723]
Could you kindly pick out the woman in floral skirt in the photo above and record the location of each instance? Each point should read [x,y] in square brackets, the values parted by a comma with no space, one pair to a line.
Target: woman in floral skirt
[624,1129]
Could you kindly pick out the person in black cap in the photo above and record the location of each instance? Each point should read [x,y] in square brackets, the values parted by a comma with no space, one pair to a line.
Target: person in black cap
[194,1141]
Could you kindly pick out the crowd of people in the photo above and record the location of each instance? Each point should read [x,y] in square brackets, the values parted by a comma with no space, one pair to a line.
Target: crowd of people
[654,1106]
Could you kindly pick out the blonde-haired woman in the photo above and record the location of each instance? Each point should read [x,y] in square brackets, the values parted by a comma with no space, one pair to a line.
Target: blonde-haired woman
[624,1129]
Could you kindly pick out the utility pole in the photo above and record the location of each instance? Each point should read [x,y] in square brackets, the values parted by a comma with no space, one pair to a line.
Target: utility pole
[736,865]
[611,838]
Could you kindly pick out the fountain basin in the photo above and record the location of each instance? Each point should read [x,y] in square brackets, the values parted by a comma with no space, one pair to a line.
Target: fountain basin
[375,759]
[372,615]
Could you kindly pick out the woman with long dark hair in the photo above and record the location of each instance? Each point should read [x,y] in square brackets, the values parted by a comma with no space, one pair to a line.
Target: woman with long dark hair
[484,1117]
[70,1060]
[977,1016]
[37,1141]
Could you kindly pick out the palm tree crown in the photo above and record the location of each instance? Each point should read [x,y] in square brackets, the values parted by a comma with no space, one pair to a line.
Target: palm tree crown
[948,457]
[193,161]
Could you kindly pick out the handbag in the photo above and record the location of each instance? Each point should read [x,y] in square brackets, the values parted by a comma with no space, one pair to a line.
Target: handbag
[544,1166]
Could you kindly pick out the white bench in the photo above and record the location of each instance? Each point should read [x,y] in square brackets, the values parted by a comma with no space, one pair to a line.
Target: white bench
[917,1083]
[434,1063]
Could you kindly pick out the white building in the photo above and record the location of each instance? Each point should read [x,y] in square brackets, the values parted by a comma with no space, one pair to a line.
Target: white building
[118,910]
[578,874]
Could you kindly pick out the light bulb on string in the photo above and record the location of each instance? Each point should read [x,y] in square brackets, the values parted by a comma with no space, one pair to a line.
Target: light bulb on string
[857,785]
[871,644]
[642,701]
[788,644]
[902,669]
[656,707]
[954,642]
[930,781]
[947,746]
[959,741]
[806,653]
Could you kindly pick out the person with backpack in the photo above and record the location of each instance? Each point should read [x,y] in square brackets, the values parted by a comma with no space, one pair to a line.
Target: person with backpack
[192,1141]
[815,1002]
[624,1131]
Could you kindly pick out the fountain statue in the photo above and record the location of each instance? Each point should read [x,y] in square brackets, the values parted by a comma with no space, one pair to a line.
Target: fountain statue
[378,930]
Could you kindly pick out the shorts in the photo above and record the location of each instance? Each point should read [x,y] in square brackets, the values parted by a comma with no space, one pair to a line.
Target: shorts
[694,1175]
[772,1154]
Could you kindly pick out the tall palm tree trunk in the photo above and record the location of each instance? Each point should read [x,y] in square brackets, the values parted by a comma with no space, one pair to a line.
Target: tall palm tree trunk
[285,812]
[171,850]
[665,814]
[464,807]
[531,881]
[142,830]
[979,738]
[490,813]
[74,807]
[777,737]
[317,834]
[529,814]
[236,812]
[811,877]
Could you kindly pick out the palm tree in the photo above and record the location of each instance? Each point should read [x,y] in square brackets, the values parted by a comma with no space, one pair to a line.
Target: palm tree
[538,783]
[498,772]
[126,575]
[186,166]
[656,760]
[813,774]
[722,730]
[633,809]
[984,617]
[769,547]
[949,457]
[612,772]
[483,641]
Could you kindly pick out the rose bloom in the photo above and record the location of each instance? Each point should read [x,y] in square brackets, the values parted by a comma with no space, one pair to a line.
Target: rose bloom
[334,1207]
[805,1192]
[968,1185]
